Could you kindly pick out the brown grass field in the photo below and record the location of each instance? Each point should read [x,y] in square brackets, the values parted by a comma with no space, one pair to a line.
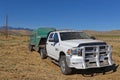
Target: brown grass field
[17,63]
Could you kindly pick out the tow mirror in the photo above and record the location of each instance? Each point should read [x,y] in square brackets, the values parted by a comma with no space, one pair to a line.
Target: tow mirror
[51,40]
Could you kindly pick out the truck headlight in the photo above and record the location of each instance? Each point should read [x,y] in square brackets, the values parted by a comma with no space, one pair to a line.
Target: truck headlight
[80,52]
[74,51]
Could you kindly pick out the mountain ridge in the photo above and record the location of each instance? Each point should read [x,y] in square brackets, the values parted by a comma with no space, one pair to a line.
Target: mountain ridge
[27,31]
[14,28]
[16,31]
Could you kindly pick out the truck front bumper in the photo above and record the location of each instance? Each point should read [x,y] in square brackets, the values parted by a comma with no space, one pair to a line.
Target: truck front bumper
[92,57]
[81,63]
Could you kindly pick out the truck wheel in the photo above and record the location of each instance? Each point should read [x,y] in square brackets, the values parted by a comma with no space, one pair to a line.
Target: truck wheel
[43,54]
[64,67]
[30,48]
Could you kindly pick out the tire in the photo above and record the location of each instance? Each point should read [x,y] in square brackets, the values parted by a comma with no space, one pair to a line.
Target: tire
[30,48]
[43,54]
[64,67]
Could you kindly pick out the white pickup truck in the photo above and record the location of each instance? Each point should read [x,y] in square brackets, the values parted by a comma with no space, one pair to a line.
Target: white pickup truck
[75,49]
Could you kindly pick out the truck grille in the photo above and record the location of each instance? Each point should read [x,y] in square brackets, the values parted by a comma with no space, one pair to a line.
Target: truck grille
[96,56]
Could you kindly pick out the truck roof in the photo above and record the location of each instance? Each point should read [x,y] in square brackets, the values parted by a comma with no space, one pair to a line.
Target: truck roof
[67,30]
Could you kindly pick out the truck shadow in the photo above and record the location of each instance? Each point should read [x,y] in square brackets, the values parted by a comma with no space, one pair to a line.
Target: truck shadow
[96,71]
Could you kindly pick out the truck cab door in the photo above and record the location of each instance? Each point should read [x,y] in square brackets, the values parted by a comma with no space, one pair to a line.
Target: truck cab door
[52,46]
[56,46]
[49,45]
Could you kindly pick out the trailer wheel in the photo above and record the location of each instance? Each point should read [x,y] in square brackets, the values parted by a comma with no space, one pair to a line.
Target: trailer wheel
[43,54]
[64,67]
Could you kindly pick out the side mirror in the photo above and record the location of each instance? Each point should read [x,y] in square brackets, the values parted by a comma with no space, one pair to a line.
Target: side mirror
[92,37]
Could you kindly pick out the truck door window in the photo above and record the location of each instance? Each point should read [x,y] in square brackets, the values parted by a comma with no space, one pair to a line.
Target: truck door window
[56,39]
[51,37]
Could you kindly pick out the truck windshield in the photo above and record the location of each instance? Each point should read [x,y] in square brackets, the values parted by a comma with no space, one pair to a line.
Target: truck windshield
[73,35]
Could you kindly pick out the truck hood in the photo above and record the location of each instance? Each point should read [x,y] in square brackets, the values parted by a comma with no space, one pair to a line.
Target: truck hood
[82,42]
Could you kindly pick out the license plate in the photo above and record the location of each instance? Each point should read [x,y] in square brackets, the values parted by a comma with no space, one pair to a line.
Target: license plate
[101,58]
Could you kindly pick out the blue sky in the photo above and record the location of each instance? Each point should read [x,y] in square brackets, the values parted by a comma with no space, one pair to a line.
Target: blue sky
[62,14]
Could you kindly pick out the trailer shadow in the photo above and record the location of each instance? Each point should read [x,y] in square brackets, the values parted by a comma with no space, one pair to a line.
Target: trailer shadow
[96,71]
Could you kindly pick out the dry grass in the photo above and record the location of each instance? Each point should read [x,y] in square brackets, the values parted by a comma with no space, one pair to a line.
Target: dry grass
[17,63]
[21,32]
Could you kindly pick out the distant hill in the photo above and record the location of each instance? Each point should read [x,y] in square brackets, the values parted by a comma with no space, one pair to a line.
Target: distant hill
[112,32]
[13,28]
[16,31]
[27,31]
